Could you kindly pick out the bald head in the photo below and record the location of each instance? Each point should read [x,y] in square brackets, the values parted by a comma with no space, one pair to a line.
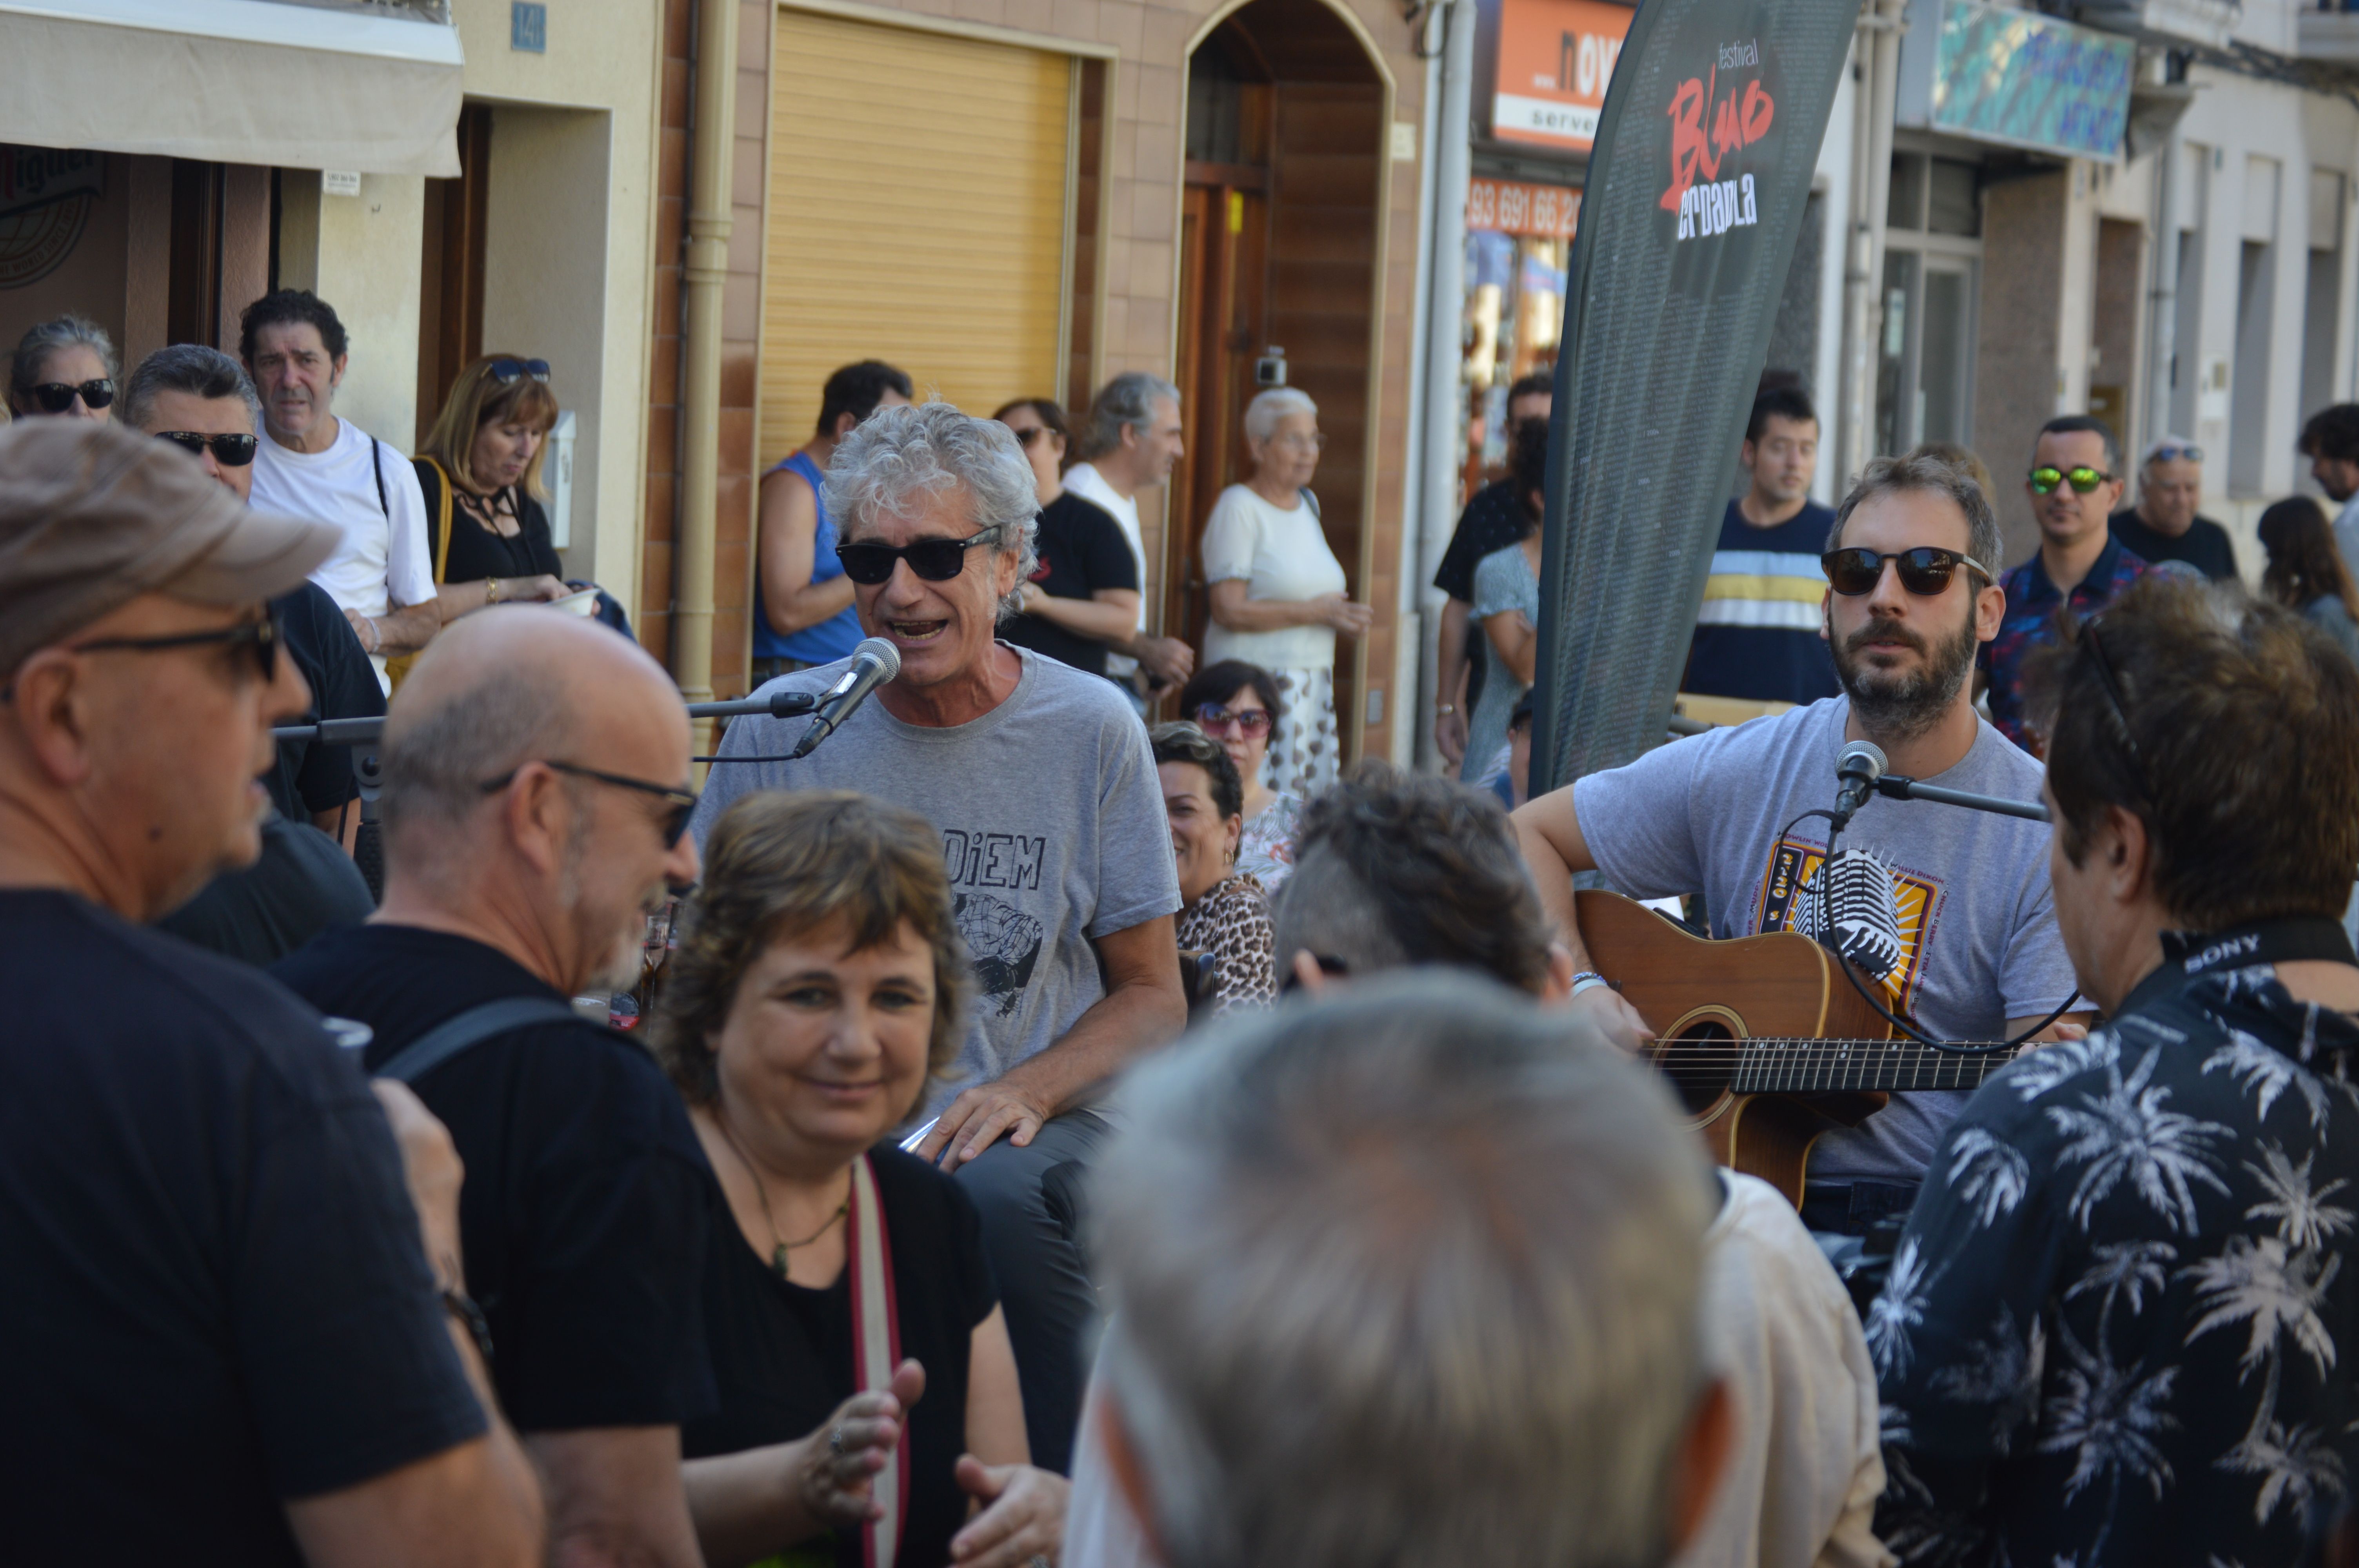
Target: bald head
[520,684]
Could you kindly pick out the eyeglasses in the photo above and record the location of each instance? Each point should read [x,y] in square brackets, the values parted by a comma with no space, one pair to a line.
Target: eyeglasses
[263,637]
[56,396]
[1212,718]
[1027,434]
[936,560]
[2082,479]
[1924,571]
[506,371]
[682,802]
[1295,441]
[2174,453]
[230,452]
[2111,686]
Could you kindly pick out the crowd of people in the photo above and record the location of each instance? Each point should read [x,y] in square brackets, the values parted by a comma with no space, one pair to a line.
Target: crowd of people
[1056,1137]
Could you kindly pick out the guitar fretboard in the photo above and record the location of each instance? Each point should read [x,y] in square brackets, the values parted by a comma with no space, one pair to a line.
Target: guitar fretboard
[1755,1067]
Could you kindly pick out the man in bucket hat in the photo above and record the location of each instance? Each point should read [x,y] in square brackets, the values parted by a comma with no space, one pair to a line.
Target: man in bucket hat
[231,1345]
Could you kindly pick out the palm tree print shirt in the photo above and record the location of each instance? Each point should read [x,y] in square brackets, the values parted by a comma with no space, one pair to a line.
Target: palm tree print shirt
[2111,1332]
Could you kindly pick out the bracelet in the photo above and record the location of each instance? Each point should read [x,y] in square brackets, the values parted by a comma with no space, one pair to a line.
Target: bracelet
[376,634]
[1445,707]
[461,1305]
[491,591]
[1588,980]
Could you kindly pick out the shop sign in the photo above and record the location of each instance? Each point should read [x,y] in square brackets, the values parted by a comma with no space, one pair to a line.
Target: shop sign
[1555,59]
[2029,80]
[1513,206]
[45,195]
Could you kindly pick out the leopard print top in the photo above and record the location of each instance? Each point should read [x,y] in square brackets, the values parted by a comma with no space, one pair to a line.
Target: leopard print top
[1232,923]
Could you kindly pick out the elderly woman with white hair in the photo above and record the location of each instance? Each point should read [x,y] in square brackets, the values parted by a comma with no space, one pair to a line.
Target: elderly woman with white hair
[1038,778]
[1279,595]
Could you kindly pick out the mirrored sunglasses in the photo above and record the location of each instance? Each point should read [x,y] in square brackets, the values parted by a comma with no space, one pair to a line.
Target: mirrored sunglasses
[2083,479]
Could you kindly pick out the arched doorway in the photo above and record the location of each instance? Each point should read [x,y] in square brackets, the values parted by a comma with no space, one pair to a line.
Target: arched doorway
[1280,244]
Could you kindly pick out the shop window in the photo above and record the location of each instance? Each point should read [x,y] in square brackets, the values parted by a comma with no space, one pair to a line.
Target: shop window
[1905,207]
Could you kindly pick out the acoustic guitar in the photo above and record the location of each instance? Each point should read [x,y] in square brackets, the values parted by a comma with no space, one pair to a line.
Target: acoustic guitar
[1767,1045]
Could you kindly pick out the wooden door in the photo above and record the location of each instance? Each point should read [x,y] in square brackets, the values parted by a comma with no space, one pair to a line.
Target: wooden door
[1224,315]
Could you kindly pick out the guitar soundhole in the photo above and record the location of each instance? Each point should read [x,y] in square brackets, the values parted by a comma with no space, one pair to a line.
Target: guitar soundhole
[1699,1061]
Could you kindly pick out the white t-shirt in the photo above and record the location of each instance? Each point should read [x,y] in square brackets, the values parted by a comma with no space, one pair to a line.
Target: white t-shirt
[1807,1463]
[1279,555]
[1084,481]
[382,562]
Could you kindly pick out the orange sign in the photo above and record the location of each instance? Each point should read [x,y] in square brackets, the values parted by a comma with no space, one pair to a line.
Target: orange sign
[1512,207]
[1555,59]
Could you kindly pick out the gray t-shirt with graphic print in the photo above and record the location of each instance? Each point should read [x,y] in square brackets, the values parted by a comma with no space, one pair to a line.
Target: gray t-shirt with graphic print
[1053,824]
[1949,908]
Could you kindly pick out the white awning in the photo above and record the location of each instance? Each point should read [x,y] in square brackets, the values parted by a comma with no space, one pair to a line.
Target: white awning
[252,82]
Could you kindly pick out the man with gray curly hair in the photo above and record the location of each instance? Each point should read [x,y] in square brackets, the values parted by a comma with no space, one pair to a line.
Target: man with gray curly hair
[1040,780]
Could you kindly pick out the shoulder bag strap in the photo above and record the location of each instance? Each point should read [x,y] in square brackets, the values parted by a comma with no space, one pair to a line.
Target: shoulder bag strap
[1311,502]
[377,471]
[471,1028]
[876,1351]
[442,518]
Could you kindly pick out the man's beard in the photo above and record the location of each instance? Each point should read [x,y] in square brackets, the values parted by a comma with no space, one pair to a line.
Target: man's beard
[1901,706]
[621,965]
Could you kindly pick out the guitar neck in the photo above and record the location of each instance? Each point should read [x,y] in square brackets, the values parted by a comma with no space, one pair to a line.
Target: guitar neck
[1829,1066]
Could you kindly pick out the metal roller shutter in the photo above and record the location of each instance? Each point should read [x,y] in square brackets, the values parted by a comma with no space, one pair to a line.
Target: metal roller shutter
[919,189]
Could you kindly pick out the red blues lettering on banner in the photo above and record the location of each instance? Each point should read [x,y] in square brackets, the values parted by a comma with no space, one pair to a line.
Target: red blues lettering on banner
[1738,120]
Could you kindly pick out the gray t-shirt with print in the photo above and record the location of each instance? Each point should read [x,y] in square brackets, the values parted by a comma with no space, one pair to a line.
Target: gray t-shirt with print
[1053,824]
[1947,908]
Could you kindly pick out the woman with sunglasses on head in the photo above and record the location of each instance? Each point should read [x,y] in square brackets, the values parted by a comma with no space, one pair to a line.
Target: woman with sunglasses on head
[1280,596]
[1083,596]
[1224,911]
[2306,571]
[67,367]
[1507,608]
[480,470]
[868,1391]
[1238,705]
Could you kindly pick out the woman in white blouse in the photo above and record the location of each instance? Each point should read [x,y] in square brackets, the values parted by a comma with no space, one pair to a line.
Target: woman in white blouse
[1279,593]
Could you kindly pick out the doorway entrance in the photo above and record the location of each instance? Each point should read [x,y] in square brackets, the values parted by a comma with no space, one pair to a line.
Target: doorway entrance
[1924,389]
[1279,240]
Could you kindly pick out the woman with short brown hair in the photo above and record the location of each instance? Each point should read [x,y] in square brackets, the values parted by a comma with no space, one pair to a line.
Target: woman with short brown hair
[867,1388]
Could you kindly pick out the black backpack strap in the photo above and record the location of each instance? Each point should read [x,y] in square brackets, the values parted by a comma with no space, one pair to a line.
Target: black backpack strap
[471,1028]
[377,468]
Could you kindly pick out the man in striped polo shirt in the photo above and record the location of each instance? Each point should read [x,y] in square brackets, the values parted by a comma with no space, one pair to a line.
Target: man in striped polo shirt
[1759,634]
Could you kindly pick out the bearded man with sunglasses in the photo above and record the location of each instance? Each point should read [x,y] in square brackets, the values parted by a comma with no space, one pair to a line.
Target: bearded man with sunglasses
[536,811]
[231,1345]
[2074,486]
[1042,783]
[1946,911]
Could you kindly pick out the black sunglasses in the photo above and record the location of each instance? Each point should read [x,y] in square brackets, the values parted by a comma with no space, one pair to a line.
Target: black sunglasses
[262,636]
[56,396]
[506,371]
[1028,435]
[681,802]
[936,560]
[1924,571]
[2111,686]
[230,452]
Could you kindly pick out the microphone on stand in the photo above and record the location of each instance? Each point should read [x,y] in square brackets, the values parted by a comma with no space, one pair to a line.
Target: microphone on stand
[873,662]
[1861,764]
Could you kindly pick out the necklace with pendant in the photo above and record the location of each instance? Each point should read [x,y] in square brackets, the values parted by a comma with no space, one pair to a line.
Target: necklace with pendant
[780,1247]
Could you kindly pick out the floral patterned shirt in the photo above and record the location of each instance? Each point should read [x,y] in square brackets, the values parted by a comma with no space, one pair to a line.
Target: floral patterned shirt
[1267,850]
[2031,622]
[2113,1330]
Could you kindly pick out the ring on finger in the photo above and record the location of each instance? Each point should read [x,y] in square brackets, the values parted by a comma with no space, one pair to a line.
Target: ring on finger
[835,1442]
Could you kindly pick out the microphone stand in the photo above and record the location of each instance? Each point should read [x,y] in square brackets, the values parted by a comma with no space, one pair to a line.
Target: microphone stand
[361,731]
[1901,788]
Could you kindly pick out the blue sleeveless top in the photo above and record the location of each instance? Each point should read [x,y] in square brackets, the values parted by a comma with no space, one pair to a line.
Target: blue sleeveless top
[833,638]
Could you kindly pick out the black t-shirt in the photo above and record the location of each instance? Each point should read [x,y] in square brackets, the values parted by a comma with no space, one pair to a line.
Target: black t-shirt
[476,552]
[1494,519]
[308,776]
[212,1291]
[304,884]
[1081,550]
[2205,546]
[782,1354]
[585,1211]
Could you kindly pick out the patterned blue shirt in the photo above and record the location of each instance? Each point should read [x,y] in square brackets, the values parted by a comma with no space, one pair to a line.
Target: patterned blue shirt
[2029,623]
[2113,1332]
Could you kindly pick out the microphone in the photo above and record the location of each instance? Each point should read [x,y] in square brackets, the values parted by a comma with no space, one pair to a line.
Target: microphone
[873,662]
[1861,764]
